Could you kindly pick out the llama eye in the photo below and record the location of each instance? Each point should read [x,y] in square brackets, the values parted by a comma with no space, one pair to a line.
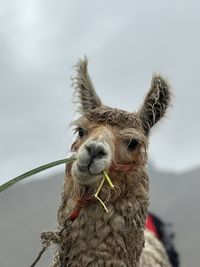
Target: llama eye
[132,144]
[81,132]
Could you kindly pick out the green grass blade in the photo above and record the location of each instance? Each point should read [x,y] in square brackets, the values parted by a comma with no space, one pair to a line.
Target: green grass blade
[34,171]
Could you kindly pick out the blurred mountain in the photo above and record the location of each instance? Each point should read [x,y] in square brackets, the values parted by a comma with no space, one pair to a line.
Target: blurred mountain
[29,208]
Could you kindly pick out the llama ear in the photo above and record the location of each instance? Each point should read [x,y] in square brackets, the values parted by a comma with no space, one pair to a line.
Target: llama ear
[155,103]
[84,89]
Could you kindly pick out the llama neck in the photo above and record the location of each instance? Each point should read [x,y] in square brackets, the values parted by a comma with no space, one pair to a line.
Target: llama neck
[117,236]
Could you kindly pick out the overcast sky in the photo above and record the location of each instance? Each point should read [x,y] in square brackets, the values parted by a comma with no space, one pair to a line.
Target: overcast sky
[126,42]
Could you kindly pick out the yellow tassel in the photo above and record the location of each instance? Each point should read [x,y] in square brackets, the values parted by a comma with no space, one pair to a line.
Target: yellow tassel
[105,177]
[108,179]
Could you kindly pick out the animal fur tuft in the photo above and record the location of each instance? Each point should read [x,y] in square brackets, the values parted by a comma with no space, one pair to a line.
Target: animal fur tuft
[85,93]
[155,103]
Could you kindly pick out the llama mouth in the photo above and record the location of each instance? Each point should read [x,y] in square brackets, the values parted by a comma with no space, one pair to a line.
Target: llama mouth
[83,175]
[87,174]
[82,168]
[95,170]
[91,169]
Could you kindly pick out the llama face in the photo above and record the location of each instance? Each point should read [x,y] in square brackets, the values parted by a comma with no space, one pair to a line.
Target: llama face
[94,147]
[107,135]
[104,139]
[129,138]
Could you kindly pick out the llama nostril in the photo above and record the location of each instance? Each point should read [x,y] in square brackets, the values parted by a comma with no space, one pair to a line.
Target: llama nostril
[101,154]
[96,151]
[89,150]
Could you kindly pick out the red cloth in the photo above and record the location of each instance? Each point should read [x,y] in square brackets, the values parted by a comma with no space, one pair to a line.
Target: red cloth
[149,225]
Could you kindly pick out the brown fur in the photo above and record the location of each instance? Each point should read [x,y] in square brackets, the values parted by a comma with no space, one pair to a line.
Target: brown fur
[116,238]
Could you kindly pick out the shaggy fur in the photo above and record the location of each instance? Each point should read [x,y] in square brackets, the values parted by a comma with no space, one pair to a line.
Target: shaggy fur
[116,238]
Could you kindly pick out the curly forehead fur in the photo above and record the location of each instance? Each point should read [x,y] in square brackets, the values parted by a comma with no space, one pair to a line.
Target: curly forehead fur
[114,117]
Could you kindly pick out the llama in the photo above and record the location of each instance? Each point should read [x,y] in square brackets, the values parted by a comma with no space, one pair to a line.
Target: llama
[115,141]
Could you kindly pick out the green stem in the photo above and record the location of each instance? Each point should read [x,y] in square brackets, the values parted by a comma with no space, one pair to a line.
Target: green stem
[34,171]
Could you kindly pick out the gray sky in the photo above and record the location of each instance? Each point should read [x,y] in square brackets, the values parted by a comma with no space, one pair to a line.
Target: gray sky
[126,42]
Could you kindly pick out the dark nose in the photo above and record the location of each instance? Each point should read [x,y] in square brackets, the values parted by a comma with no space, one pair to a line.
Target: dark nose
[95,150]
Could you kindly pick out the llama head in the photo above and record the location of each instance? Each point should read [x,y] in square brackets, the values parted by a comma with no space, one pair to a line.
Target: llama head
[109,135]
